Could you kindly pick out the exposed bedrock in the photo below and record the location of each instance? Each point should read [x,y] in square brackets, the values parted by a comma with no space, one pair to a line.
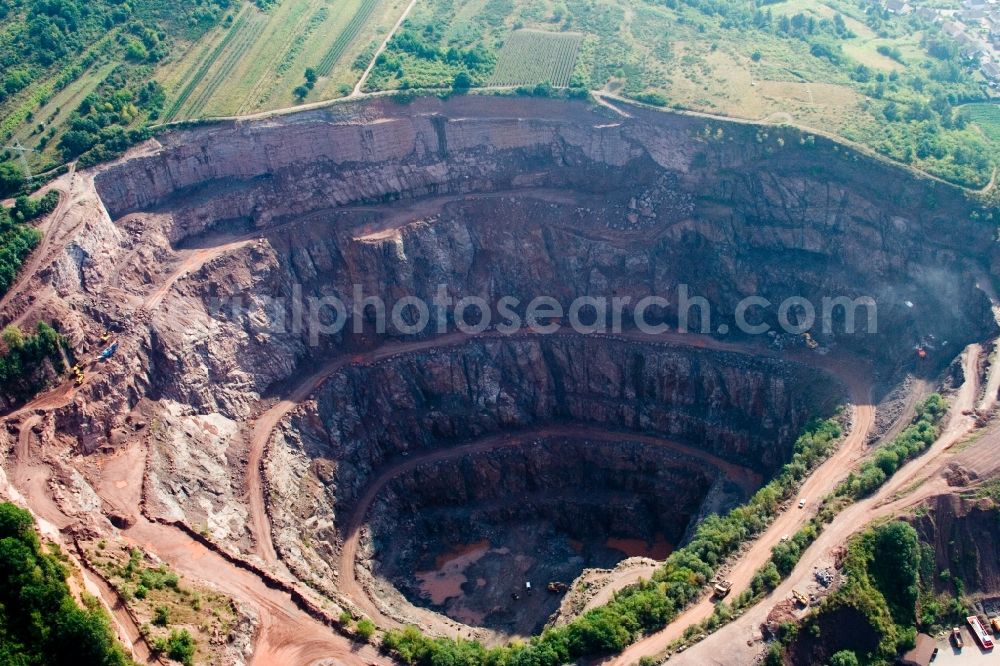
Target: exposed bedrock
[476,528]
[489,197]
[961,535]
[743,409]
[746,410]
[649,203]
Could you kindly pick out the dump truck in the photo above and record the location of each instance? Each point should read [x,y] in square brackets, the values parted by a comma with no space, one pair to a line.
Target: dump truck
[556,587]
[979,632]
[995,623]
[722,589]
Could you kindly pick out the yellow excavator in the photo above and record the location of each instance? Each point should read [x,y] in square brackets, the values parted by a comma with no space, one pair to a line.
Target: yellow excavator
[78,376]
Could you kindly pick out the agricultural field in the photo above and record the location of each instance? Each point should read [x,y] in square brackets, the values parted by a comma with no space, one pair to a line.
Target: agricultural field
[987,118]
[256,60]
[530,57]
[890,83]
[893,84]
[64,61]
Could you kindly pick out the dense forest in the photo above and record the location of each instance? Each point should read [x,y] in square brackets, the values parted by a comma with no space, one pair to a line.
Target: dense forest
[41,623]
[23,357]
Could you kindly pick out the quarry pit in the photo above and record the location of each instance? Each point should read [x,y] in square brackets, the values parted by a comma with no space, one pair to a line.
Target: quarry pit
[426,478]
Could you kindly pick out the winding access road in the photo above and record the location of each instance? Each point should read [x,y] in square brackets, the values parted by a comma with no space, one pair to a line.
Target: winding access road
[852,374]
[916,481]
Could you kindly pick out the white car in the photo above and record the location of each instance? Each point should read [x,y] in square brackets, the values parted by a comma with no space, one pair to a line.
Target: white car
[802,503]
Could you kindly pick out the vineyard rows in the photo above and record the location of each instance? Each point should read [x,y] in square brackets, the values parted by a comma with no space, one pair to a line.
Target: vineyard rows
[268,74]
[203,68]
[987,116]
[530,57]
[232,58]
[346,36]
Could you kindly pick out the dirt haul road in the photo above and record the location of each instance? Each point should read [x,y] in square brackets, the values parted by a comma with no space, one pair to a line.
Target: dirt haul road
[286,634]
[851,449]
[821,482]
[264,426]
[172,544]
[729,645]
[51,228]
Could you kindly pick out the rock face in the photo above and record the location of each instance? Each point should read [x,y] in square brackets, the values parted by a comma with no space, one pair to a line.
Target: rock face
[739,211]
[748,411]
[200,246]
[548,510]
[961,534]
[742,409]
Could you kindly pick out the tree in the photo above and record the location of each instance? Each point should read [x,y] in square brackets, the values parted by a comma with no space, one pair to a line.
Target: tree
[844,658]
[773,656]
[12,337]
[40,621]
[11,178]
[462,82]
[161,616]
[894,568]
[300,93]
[180,647]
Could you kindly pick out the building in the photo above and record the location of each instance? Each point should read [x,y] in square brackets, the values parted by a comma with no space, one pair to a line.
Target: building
[973,49]
[952,29]
[921,653]
[991,71]
[927,13]
[900,7]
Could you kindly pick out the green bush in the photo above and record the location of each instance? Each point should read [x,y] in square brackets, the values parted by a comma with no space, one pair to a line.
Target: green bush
[179,646]
[11,178]
[365,629]
[881,578]
[844,658]
[161,616]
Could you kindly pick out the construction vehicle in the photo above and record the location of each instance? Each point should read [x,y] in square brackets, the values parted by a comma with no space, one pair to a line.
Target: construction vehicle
[722,589]
[800,597]
[956,638]
[109,352]
[979,632]
[810,342]
[78,376]
[106,336]
[556,587]
[995,623]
